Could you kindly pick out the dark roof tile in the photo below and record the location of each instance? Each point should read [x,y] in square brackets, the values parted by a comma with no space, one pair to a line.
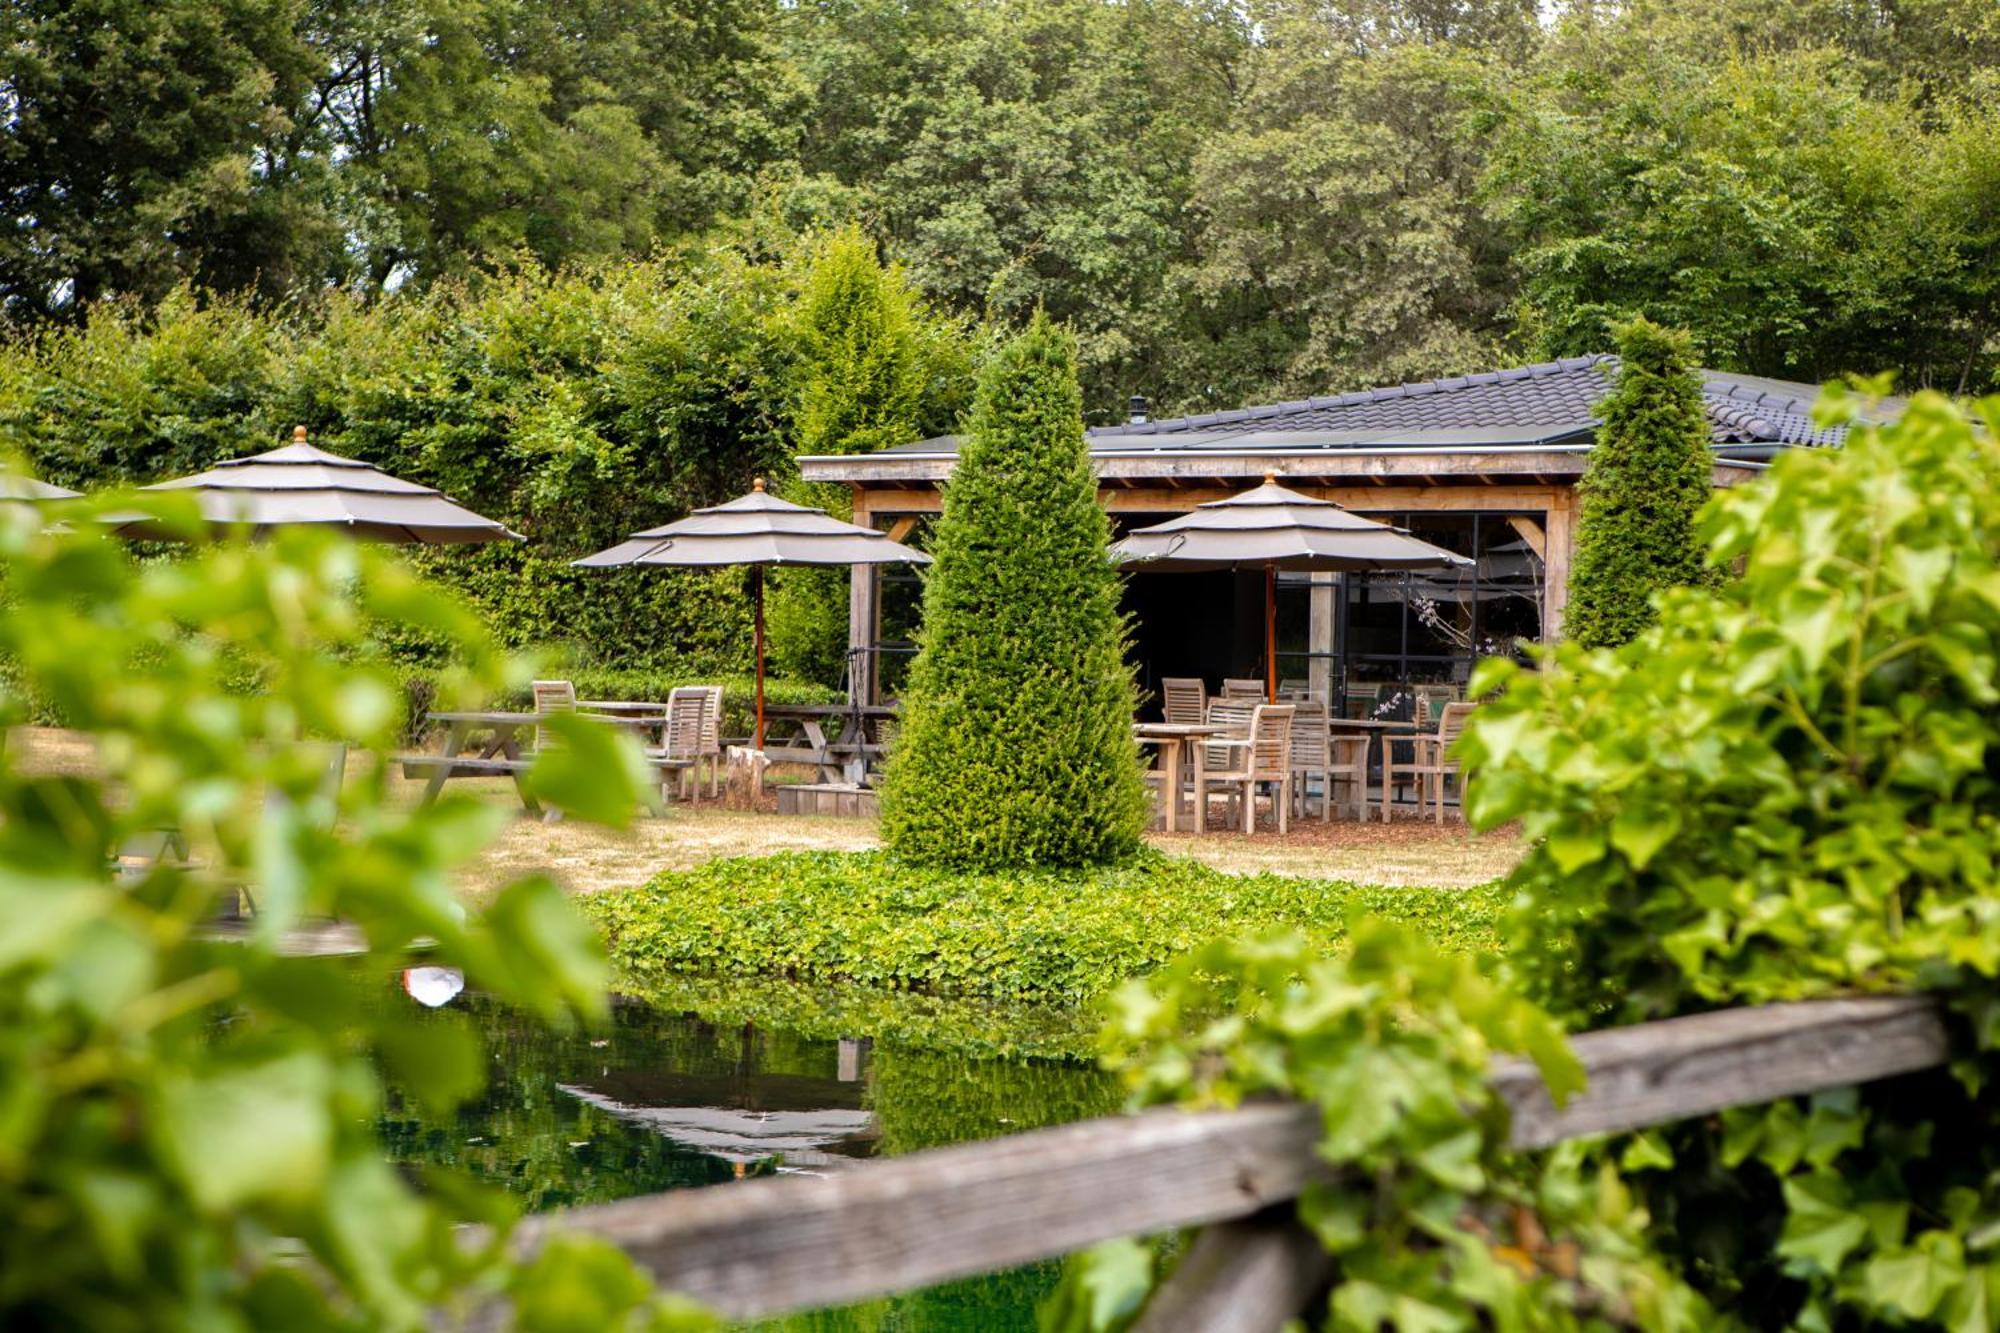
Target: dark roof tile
[1742,409]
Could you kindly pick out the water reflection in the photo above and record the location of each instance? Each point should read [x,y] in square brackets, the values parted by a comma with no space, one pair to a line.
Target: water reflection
[664,1100]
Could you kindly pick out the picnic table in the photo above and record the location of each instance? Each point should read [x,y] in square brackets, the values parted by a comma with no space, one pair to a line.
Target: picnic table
[1169,739]
[843,758]
[490,744]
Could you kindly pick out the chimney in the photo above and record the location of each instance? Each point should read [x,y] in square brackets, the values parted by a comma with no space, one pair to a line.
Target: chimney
[1138,405]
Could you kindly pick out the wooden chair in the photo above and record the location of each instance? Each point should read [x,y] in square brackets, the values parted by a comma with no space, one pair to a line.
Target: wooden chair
[1311,759]
[1396,776]
[552,696]
[1264,758]
[1435,764]
[1294,690]
[682,738]
[1242,689]
[1347,764]
[1233,717]
[1184,700]
[711,735]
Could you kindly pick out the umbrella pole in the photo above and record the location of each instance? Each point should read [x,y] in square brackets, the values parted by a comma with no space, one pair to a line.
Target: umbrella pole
[1270,634]
[757,583]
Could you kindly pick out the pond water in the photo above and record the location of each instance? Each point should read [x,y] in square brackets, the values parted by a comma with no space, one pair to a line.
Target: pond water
[702,1089]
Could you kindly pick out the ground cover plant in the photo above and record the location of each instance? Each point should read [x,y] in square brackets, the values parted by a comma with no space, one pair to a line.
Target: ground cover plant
[1022,933]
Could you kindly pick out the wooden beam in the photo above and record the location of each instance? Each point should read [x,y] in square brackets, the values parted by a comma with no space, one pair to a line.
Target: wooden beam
[1246,468]
[901,529]
[1657,1073]
[1530,532]
[768,1246]
[1383,498]
[1248,1276]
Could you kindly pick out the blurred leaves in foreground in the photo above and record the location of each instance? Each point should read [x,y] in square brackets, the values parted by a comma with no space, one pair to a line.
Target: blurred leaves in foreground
[186,1121]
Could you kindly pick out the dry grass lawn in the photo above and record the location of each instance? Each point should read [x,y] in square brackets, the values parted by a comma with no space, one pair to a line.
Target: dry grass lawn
[587,858]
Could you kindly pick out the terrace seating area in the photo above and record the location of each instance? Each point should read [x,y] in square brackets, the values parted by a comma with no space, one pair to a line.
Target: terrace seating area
[1300,759]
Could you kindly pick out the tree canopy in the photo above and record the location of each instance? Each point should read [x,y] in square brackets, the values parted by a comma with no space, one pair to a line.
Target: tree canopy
[1225,202]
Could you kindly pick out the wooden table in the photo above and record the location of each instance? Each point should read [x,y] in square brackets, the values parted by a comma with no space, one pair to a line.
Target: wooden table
[1169,738]
[843,760]
[499,749]
[1389,729]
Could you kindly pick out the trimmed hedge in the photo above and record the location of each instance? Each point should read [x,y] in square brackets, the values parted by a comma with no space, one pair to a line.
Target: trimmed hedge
[1024,934]
[1017,746]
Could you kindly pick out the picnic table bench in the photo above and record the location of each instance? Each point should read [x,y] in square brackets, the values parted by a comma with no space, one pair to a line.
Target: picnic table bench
[844,758]
[490,744]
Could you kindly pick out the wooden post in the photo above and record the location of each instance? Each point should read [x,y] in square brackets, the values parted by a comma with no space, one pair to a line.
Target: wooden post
[1560,543]
[1270,634]
[862,616]
[757,582]
[1320,623]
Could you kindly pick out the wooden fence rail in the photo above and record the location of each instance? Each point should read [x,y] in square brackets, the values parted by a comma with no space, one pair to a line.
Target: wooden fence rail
[770,1246]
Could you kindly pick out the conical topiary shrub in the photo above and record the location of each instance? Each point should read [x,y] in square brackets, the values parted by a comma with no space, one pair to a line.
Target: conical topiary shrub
[1017,746]
[1648,476]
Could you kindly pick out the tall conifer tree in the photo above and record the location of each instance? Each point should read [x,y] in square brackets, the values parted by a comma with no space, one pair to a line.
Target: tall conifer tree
[1017,745]
[1648,476]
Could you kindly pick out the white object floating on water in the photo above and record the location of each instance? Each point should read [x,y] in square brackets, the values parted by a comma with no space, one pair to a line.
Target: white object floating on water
[433,986]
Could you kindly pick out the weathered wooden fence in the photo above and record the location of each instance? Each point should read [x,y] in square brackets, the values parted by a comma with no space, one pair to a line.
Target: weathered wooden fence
[769,1246]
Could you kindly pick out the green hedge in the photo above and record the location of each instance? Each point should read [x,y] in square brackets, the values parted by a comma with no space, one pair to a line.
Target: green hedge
[867,917]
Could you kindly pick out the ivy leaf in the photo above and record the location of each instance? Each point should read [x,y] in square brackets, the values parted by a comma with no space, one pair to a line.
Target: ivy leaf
[1640,831]
[1821,1228]
[1913,1281]
[259,1130]
[593,772]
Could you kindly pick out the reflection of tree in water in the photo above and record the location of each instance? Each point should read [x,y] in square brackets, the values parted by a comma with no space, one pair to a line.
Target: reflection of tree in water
[555,1149]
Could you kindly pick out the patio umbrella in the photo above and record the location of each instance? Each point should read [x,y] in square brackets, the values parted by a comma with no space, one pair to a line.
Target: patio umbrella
[1271,528]
[757,530]
[27,490]
[299,484]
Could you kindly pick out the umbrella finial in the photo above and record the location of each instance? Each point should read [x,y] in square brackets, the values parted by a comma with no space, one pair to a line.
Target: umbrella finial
[757,485]
[298,435]
[1270,479]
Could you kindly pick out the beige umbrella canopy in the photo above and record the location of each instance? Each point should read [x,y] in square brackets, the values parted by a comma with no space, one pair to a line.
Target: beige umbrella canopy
[1272,528]
[16,487]
[756,530]
[299,484]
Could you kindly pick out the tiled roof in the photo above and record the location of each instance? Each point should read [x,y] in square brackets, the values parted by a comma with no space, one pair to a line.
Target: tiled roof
[1742,409]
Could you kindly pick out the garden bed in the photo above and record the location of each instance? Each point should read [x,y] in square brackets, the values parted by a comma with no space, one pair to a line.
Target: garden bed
[1046,935]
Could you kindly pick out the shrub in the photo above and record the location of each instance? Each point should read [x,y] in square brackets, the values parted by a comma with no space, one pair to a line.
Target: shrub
[1648,476]
[186,1122]
[1017,744]
[1792,788]
[1059,935]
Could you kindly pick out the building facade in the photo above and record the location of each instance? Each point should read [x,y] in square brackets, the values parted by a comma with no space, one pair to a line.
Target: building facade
[1486,465]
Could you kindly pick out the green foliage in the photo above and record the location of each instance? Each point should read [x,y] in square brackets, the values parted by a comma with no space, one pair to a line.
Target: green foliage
[1785,789]
[1027,933]
[869,368]
[1646,480]
[574,407]
[1433,1223]
[1017,746]
[1227,203]
[1795,221]
[185,1136]
[130,131]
